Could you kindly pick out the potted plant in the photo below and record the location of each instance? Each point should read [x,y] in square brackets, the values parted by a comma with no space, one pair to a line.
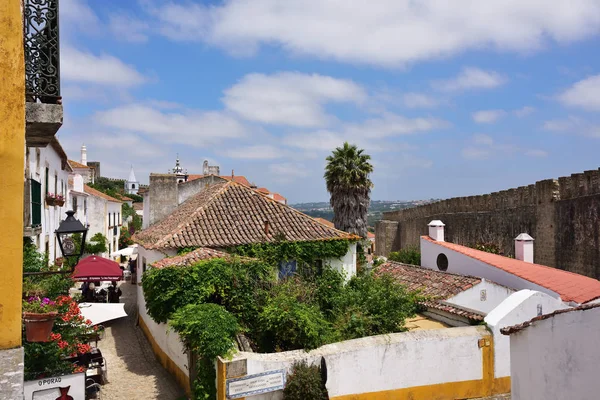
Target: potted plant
[50,199]
[39,315]
[59,200]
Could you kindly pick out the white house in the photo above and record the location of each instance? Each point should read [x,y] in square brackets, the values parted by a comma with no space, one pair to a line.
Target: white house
[104,216]
[47,176]
[78,199]
[81,167]
[556,355]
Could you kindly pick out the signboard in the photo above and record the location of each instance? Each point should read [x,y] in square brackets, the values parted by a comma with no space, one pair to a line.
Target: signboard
[66,387]
[268,381]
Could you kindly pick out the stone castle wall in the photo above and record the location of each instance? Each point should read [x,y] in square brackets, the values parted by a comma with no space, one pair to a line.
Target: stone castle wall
[563,215]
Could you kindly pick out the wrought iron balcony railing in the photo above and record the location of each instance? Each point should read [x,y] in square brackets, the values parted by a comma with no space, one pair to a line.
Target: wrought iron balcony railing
[42,51]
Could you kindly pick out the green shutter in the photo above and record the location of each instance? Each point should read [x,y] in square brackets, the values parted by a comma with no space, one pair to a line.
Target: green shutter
[36,203]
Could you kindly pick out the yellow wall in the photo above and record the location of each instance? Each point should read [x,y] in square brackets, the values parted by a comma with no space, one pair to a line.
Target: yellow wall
[12,151]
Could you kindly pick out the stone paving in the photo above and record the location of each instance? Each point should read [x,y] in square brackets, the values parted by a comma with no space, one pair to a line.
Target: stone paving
[133,371]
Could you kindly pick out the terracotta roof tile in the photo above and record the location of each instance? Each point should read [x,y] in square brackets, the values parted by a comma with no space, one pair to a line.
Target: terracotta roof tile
[192,257]
[138,206]
[230,214]
[236,178]
[75,164]
[325,222]
[97,193]
[437,286]
[570,286]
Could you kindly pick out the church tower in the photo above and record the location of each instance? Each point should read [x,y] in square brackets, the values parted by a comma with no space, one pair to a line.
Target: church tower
[178,171]
[132,185]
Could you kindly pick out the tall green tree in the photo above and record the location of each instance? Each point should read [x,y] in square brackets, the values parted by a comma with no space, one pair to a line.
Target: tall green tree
[347,178]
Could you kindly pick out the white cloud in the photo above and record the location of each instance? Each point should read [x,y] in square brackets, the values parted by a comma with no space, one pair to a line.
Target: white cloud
[488,116]
[192,127]
[255,152]
[482,139]
[471,78]
[523,112]
[584,94]
[128,29]
[84,67]
[419,100]
[290,98]
[475,153]
[573,125]
[383,33]
[536,153]
[77,15]
[288,171]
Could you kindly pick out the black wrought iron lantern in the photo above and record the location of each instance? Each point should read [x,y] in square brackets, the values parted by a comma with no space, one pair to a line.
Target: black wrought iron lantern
[71,236]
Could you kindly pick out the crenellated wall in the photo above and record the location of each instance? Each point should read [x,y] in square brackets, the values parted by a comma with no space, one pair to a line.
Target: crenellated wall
[561,214]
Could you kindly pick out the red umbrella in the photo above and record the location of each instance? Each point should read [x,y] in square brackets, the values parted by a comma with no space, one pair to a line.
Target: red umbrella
[95,268]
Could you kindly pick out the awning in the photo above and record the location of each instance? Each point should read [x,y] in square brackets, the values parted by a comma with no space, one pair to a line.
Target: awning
[127,251]
[95,268]
[102,312]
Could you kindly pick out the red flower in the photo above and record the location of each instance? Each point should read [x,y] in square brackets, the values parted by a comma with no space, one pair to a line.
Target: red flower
[55,336]
[88,321]
[78,369]
[62,344]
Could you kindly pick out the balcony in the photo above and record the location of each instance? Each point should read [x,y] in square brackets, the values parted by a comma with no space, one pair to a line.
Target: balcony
[44,111]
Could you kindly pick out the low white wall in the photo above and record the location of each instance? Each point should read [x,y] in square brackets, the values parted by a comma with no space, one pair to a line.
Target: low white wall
[474,299]
[346,264]
[386,362]
[461,264]
[517,308]
[557,358]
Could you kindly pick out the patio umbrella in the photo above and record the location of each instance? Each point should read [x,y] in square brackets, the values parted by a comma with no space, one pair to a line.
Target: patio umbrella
[127,251]
[95,268]
[102,312]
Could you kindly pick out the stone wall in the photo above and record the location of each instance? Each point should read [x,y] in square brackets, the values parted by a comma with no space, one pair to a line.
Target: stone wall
[561,214]
[162,196]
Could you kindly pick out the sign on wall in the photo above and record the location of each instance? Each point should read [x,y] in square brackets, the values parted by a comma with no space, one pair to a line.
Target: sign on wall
[66,387]
[268,381]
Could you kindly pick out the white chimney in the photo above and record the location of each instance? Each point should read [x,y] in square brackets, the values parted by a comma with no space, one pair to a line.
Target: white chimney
[83,154]
[524,248]
[436,230]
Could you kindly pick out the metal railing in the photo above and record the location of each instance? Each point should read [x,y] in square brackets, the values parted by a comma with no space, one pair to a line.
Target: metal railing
[42,51]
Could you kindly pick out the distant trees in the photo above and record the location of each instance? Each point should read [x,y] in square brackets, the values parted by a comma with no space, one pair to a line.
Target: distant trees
[347,179]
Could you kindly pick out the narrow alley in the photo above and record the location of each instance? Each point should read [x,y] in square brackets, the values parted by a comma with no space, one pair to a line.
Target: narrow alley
[133,371]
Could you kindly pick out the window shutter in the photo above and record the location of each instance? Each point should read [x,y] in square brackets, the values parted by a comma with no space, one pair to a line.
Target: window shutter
[36,203]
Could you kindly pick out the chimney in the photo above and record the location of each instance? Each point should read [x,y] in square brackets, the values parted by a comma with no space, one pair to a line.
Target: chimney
[436,230]
[524,248]
[83,154]
[231,174]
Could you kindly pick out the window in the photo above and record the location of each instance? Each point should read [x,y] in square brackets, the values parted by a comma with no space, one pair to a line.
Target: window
[85,206]
[109,249]
[133,185]
[75,203]
[442,262]
[47,177]
[36,203]
[118,218]
[287,268]
[55,184]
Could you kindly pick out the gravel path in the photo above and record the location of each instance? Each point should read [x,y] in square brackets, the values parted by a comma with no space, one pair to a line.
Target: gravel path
[133,371]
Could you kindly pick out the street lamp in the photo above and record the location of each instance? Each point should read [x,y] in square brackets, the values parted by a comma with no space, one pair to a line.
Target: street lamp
[70,244]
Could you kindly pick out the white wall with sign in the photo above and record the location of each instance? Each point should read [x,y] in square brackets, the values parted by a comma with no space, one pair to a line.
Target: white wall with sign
[67,386]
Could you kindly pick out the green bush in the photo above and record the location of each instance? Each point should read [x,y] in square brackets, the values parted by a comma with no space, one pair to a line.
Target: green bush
[97,244]
[208,331]
[305,383]
[291,320]
[409,255]
[33,260]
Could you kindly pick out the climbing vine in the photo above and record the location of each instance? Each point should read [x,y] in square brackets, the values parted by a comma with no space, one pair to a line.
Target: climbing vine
[306,252]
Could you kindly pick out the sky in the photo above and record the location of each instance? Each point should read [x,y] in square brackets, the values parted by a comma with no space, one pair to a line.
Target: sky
[448,98]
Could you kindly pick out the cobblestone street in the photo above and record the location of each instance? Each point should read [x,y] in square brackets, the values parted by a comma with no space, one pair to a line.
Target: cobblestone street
[133,371]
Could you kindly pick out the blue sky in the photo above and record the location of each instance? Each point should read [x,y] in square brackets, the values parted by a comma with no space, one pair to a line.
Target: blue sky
[448,99]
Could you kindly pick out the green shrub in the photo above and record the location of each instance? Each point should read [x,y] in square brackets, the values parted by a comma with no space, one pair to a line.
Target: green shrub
[305,383]
[291,320]
[33,260]
[374,305]
[409,255]
[97,244]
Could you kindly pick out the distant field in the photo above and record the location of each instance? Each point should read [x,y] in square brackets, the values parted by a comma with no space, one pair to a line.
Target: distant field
[377,208]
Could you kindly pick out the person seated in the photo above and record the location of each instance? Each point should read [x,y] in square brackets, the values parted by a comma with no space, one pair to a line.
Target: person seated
[114,293]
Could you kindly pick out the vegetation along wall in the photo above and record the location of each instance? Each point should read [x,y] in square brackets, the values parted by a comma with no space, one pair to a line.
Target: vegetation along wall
[563,216]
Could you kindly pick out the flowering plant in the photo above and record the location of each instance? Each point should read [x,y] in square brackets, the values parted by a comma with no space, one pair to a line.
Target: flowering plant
[55,196]
[39,305]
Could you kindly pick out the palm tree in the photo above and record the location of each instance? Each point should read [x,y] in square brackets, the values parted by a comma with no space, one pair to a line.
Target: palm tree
[347,178]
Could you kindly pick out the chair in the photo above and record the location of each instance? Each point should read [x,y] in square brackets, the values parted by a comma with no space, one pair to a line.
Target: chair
[92,389]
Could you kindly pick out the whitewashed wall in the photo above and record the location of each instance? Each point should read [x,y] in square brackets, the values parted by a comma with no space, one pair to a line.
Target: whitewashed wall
[461,264]
[474,299]
[346,264]
[557,358]
[386,362]
[517,308]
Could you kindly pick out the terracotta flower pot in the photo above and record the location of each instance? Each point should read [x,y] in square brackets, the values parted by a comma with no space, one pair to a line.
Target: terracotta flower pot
[39,326]
[59,203]
[50,201]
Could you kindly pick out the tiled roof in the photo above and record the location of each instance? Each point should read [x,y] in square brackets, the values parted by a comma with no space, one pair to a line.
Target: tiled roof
[190,258]
[431,283]
[125,198]
[97,193]
[370,235]
[229,214]
[570,286]
[325,222]
[508,330]
[437,286]
[75,164]
[263,190]
[278,197]
[138,206]
[236,178]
